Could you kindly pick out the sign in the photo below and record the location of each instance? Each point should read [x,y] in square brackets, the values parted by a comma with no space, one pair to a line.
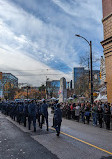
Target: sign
[59,92]
[95,94]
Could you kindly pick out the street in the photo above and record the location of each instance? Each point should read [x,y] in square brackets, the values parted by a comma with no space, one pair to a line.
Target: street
[76,141]
[16,144]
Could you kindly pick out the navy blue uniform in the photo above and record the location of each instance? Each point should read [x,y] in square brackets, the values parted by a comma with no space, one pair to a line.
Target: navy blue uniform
[57,119]
[44,114]
[32,115]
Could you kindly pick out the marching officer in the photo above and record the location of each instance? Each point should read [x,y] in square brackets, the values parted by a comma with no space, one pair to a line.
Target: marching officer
[44,112]
[54,107]
[57,119]
[32,115]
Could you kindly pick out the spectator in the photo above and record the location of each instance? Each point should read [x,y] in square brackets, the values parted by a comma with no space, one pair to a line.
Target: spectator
[68,111]
[100,115]
[94,113]
[87,112]
[82,112]
[77,112]
[107,116]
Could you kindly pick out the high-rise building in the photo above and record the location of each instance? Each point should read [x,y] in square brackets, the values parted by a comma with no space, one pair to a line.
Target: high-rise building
[81,72]
[77,73]
[7,79]
[107,44]
[53,88]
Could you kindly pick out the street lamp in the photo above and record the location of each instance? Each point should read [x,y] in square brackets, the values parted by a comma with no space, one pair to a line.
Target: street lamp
[91,69]
[28,87]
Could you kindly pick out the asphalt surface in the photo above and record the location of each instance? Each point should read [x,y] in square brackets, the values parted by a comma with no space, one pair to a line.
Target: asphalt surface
[16,144]
[77,141]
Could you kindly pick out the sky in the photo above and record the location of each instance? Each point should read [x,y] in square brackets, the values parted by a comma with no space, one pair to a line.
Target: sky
[37,37]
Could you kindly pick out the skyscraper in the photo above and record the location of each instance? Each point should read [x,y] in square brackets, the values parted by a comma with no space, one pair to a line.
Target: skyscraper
[77,73]
[5,80]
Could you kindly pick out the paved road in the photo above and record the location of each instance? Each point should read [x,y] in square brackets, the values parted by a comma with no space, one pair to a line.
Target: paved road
[16,144]
[77,141]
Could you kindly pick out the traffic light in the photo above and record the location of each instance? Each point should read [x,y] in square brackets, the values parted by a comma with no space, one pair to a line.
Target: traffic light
[100,75]
[0,75]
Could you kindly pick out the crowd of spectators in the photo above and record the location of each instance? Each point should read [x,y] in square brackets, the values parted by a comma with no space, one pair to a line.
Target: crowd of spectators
[99,113]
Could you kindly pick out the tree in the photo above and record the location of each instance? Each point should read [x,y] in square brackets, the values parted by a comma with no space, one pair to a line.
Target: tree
[42,91]
[82,86]
[84,60]
[85,79]
[9,90]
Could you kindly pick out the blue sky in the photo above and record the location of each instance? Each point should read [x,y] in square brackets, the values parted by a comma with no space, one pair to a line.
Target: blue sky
[37,36]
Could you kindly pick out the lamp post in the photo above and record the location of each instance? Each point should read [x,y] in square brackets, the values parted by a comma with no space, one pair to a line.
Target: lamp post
[91,67]
[28,87]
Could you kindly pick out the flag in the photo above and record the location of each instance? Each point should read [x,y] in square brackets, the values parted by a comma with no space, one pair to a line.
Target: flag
[59,92]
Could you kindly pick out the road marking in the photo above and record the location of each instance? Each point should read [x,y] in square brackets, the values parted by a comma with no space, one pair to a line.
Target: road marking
[110,131]
[84,142]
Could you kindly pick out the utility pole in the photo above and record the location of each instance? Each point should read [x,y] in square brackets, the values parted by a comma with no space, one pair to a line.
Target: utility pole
[91,68]
[91,71]
[28,87]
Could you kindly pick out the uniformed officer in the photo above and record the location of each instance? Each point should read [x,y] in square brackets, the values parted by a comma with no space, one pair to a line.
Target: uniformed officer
[20,112]
[54,107]
[32,115]
[44,112]
[25,112]
[57,119]
[38,113]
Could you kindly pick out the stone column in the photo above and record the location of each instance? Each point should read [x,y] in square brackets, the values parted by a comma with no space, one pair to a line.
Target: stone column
[63,90]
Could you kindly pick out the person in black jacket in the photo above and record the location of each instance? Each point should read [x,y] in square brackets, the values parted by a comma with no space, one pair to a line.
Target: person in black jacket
[57,119]
[107,116]
[100,115]
[87,113]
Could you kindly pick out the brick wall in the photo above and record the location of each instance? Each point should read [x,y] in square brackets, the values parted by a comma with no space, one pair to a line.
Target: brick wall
[107,7]
[107,44]
[107,27]
[108,64]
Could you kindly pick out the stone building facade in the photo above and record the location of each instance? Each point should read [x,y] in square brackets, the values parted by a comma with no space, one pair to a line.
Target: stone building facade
[107,44]
[63,90]
[102,70]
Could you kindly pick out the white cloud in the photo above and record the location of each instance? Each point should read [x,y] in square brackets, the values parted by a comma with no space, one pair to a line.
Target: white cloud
[45,37]
[39,40]
[27,69]
[82,8]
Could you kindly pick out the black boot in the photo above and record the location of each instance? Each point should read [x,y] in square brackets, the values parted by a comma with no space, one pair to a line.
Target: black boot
[34,129]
